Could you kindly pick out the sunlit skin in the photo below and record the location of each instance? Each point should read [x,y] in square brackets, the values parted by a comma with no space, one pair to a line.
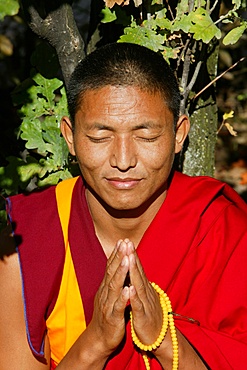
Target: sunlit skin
[125,143]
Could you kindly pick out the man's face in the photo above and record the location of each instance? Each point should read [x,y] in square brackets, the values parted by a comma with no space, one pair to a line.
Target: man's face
[125,143]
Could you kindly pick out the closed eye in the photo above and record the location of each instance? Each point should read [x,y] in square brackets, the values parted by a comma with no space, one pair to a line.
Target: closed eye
[99,139]
[148,139]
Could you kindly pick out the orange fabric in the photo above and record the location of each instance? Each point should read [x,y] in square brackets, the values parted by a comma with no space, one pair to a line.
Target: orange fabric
[67,320]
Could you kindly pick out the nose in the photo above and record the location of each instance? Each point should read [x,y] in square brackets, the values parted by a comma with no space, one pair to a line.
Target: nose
[123,154]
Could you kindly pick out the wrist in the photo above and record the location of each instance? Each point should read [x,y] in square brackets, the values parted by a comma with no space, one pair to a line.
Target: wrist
[97,343]
[88,352]
[165,350]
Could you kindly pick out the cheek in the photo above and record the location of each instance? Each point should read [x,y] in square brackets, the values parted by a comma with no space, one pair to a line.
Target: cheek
[89,158]
[159,158]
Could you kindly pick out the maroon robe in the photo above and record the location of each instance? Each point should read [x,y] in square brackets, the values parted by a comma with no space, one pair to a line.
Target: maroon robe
[195,250]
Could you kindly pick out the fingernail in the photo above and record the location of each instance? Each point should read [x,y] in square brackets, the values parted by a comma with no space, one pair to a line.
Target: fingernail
[132,290]
[119,242]
[121,246]
[126,292]
[132,259]
[131,246]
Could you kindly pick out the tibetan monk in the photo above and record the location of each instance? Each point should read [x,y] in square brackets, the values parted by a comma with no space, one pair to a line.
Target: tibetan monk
[130,265]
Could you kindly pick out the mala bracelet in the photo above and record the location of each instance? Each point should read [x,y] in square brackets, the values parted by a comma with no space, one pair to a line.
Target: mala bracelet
[167,322]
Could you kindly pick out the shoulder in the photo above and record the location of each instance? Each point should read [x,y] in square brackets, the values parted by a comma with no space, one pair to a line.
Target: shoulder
[37,212]
[206,202]
[203,192]
[24,207]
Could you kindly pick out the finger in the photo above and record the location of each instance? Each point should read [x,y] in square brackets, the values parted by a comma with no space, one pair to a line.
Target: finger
[111,258]
[137,274]
[136,270]
[115,260]
[111,292]
[114,250]
[116,284]
[121,302]
[144,291]
[136,303]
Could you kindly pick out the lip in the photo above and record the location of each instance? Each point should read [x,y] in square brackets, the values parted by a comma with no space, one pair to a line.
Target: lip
[123,183]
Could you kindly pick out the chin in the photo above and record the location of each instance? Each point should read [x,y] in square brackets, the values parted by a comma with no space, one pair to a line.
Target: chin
[124,206]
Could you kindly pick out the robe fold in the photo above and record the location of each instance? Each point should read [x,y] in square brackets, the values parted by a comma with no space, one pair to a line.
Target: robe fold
[195,249]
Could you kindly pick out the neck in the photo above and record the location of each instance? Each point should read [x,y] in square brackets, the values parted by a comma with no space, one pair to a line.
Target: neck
[112,224]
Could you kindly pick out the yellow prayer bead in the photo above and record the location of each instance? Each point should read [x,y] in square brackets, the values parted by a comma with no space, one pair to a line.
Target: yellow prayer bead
[167,321]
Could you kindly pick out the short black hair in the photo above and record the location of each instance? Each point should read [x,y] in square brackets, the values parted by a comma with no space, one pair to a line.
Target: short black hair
[123,64]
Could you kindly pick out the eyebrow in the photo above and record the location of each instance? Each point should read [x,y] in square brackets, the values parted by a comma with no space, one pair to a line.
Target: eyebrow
[100,126]
[145,125]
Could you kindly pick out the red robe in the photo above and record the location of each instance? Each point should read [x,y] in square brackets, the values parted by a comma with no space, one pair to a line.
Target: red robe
[195,250]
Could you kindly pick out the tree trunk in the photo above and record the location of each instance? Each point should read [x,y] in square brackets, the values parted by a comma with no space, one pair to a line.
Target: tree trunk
[199,158]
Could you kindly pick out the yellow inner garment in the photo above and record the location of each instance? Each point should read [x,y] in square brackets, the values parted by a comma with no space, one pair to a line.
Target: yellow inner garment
[67,320]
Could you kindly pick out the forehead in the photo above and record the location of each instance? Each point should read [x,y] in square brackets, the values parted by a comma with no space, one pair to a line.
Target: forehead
[122,102]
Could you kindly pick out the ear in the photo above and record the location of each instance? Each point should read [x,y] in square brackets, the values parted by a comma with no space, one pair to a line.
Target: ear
[182,130]
[67,132]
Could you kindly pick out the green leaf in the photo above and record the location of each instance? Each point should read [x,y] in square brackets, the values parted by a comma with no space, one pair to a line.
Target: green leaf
[44,103]
[202,26]
[51,122]
[108,15]
[32,133]
[10,178]
[182,8]
[54,178]
[51,136]
[46,88]
[61,106]
[60,156]
[150,23]
[143,36]
[8,7]
[58,146]
[237,3]
[200,3]
[184,24]
[234,35]
[47,165]
[161,20]
[170,53]
[161,13]
[35,108]
[30,169]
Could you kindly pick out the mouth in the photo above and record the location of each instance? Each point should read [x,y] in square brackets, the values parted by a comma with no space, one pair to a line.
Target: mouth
[123,183]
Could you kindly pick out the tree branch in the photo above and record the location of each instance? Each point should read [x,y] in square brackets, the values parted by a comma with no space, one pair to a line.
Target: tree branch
[194,77]
[56,24]
[184,78]
[218,77]
[214,6]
